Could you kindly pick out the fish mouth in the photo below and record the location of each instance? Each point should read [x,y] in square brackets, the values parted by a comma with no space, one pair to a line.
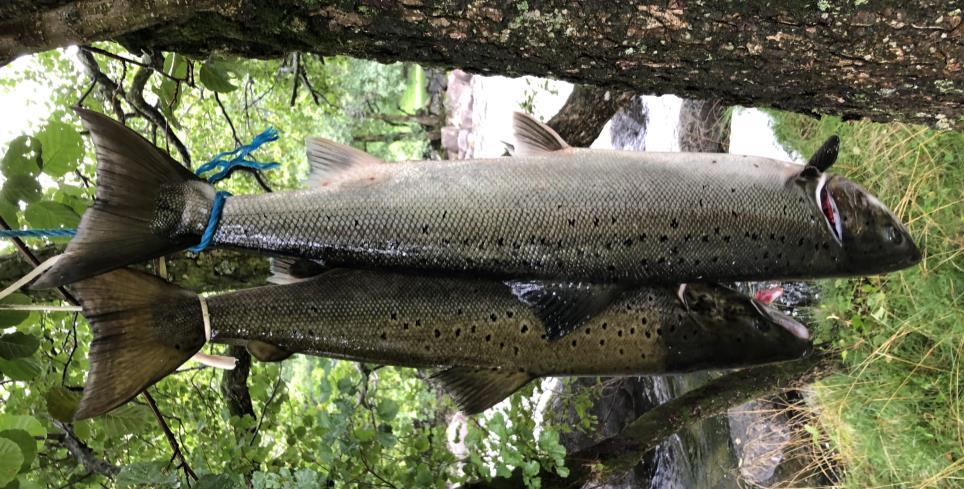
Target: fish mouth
[786,322]
[828,207]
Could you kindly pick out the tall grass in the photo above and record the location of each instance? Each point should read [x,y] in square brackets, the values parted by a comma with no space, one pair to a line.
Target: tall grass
[894,418]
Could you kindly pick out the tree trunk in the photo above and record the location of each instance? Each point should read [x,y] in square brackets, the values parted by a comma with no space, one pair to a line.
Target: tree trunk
[586,112]
[879,59]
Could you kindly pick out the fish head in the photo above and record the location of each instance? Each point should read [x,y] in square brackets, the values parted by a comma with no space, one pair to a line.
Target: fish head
[872,238]
[726,329]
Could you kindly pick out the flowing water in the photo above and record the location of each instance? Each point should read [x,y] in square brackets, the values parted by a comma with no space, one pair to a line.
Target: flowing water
[728,451]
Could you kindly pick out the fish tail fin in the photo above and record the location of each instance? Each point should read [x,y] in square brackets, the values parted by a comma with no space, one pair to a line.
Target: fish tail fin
[143,329]
[117,230]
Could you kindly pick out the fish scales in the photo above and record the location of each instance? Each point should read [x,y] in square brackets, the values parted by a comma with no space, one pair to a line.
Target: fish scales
[598,215]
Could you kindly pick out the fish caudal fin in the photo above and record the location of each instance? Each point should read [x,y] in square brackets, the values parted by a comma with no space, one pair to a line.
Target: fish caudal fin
[477,389]
[116,230]
[143,329]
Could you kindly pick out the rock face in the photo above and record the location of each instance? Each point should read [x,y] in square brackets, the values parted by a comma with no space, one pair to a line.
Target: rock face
[884,59]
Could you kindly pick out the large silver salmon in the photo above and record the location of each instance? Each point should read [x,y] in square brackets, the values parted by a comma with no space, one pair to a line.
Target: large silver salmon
[490,337]
[553,212]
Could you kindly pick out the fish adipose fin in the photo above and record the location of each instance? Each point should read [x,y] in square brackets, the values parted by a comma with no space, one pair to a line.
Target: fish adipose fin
[477,389]
[564,306]
[533,137]
[288,270]
[143,329]
[116,230]
[333,163]
[266,352]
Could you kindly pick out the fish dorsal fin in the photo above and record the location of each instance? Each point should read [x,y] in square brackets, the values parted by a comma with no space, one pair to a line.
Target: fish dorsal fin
[476,389]
[289,270]
[534,137]
[266,352]
[824,157]
[564,306]
[333,162]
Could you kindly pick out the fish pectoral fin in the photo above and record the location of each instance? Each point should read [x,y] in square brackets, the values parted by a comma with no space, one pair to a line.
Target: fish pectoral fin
[333,162]
[534,137]
[564,306]
[266,352]
[476,389]
[289,270]
[825,156]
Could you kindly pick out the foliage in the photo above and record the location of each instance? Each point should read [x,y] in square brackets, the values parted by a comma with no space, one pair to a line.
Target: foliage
[895,417]
[318,421]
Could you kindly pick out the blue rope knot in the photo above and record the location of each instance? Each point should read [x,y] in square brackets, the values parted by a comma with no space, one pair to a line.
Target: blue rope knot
[228,161]
[216,207]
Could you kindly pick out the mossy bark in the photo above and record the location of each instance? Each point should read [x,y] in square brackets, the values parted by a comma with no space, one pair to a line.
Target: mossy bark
[881,59]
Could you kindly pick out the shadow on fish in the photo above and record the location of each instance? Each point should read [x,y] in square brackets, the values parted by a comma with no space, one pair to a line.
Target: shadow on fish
[549,212]
[488,338]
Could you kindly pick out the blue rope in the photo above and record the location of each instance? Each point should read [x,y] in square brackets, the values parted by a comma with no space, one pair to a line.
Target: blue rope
[227,161]
[213,221]
[37,233]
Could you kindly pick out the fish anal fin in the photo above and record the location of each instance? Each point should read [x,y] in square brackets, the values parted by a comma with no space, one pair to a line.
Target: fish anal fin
[534,137]
[564,306]
[476,389]
[333,163]
[290,270]
[266,352]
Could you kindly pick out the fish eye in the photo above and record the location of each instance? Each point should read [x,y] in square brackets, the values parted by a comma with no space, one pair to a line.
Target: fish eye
[892,235]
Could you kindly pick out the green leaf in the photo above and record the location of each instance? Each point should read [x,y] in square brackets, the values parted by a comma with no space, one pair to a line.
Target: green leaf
[387,409]
[9,213]
[24,369]
[364,435]
[12,318]
[47,214]
[212,481]
[127,419]
[214,76]
[150,474]
[18,345]
[22,422]
[21,157]
[10,460]
[62,148]
[27,444]
[20,187]
[62,403]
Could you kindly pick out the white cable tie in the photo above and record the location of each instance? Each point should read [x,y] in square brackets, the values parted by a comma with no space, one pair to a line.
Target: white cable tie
[215,361]
[41,268]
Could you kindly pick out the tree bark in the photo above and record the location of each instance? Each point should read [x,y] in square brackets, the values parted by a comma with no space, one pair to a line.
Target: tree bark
[880,59]
[617,454]
[586,112]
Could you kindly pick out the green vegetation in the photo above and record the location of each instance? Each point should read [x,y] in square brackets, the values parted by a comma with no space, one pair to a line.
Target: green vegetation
[895,417]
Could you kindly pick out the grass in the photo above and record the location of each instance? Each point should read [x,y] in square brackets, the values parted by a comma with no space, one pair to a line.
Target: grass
[894,417]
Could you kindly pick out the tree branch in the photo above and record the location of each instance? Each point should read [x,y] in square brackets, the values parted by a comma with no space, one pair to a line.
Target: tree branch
[586,111]
[171,438]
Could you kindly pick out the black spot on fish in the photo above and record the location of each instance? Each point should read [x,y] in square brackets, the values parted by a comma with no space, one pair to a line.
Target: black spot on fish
[573,343]
[628,242]
[595,222]
[488,337]
[602,342]
[356,223]
[438,333]
[674,250]
[177,346]
[621,351]
[705,238]
[659,331]
[588,331]
[509,314]
[501,345]
[619,333]
[674,223]
[613,219]
[542,337]
[611,268]
[572,223]
[732,190]
[394,316]
[643,320]
[800,242]
[642,355]
[494,317]
[701,202]
[472,329]
[604,326]
[418,322]
[384,335]
[609,245]
[524,329]
[445,214]
[405,326]
[458,332]
[663,238]
[716,259]
[500,242]
[687,237]
[648,335]
[311,332]
[726,239]
[696,262]
[632,331]
[425,229]
[716,230]
[515,350]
